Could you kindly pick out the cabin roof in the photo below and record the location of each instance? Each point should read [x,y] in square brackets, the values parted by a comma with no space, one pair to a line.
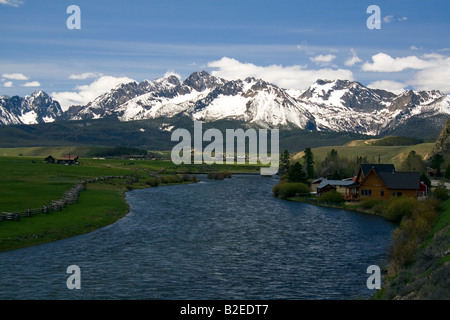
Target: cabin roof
[366,167]
[401,180]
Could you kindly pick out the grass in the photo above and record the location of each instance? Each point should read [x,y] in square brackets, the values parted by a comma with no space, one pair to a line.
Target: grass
[98,206]
[28,183]
[362,148]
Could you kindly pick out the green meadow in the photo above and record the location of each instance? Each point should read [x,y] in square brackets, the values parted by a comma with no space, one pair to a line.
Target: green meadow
[26,182]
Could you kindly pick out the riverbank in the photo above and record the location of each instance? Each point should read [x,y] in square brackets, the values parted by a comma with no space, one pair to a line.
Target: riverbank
[28,183]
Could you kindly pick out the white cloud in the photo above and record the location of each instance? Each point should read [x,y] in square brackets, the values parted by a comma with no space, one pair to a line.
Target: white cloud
[388,19]
[14,3]
[323,60]
[87,93]
[354,59]
[388,85]
[291,77]
[15,76]
[432,70]
[8,84]
[172,73]
[32,84]
[402,19]
[84,76]
[434,77]
[382,62]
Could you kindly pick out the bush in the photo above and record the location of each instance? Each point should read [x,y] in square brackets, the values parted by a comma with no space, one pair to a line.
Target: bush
[370,203]
[332,197]
[153,182]
[170,179]
[399,208]
[440,193]
[286,190]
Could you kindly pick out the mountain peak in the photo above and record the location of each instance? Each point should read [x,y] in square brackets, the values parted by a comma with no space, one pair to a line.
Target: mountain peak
[202,80]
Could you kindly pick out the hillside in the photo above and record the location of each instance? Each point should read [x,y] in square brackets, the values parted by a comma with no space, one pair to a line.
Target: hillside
[362,148]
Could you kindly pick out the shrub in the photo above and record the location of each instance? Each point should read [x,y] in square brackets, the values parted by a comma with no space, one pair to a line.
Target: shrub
[289,189]
[153,182]
[332,197]
[398,208]
[370,203]
[440,193]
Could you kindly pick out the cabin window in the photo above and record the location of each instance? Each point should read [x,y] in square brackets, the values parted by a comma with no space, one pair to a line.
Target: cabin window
[393,194]
[366,192]
[382,193]
[399,194]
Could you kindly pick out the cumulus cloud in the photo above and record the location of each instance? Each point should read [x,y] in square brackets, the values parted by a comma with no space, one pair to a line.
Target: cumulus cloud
[382,62]
[354,59]
[290,77]
[32,84]
[86,93]
[85,75]
[8,84]
[323,60]
[15,76]
[432,70]
[388,85]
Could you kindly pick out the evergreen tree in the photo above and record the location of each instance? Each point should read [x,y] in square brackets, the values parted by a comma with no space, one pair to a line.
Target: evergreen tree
[436,163]
[309,163]
[296,173]
[284,162]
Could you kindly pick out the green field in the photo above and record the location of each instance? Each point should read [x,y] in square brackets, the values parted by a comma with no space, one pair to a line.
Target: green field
[29,183]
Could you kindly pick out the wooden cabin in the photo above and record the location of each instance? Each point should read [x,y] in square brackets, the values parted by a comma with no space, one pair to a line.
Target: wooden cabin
[383,182]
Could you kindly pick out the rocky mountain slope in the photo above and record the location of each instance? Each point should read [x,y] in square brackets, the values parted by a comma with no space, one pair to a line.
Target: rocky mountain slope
[339,106]
[36,108]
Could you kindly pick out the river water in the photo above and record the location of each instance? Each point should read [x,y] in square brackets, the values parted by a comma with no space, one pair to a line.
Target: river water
[227,239]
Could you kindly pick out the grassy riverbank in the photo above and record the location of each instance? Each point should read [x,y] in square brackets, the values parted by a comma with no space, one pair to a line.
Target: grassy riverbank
[28,183]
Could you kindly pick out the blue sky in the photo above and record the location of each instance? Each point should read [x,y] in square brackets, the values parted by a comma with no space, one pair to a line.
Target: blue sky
[290,43]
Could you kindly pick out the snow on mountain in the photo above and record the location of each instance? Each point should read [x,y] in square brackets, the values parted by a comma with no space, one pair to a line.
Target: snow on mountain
[35,108]
[339,105]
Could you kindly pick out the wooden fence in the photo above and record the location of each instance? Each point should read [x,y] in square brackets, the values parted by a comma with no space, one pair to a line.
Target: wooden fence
[70,196]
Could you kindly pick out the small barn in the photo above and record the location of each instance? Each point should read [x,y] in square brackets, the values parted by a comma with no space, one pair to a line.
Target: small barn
[49,159]
[68,159]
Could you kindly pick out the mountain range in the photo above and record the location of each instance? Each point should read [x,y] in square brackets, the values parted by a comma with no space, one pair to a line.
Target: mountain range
[332,106]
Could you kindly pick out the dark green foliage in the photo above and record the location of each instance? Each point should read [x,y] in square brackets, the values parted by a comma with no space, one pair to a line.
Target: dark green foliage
[332,197]
[284,162]
[117,152]
[286,190]
[309,163]
[440,193]
[413,162]
[219,175]
[396,141]
[436,163]
[296,173]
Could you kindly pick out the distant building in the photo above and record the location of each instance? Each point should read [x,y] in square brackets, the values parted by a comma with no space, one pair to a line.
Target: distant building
[69,159]
[49,159]
[341,186]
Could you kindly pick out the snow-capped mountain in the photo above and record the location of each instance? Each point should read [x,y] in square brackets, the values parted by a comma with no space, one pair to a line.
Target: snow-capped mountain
[339,105]
[39,107]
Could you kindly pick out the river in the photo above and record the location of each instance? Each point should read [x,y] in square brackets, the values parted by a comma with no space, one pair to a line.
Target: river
[227,239]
